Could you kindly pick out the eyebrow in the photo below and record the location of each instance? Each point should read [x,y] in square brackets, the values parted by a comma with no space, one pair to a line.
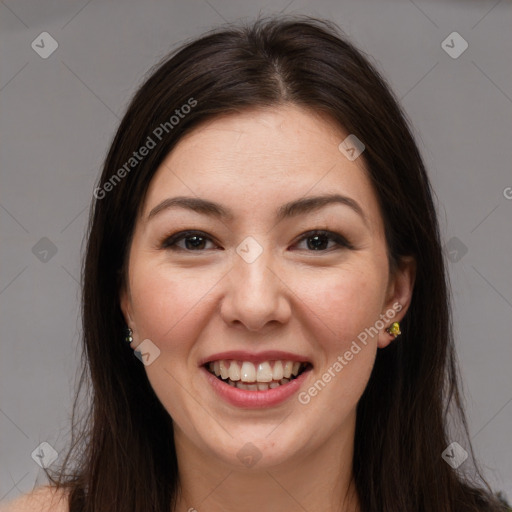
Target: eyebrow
[288,210]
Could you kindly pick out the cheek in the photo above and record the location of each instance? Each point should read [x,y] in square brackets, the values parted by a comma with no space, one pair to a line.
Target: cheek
[343,307]
[346,302]
[165,302]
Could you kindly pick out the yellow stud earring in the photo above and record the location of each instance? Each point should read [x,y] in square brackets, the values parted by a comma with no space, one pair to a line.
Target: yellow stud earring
[394,329]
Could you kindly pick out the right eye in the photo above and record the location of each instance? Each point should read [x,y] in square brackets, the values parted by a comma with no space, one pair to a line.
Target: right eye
[194,241]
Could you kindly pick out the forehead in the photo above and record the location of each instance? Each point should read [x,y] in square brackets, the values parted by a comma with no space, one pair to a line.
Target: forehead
[258,159]
[260,143]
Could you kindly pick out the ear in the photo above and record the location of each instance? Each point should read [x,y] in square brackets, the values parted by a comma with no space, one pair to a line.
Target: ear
[398,297]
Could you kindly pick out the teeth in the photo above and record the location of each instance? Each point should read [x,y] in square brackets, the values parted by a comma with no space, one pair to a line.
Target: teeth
[287,369]
[262,376]
[248,373]
[224,369]
[259,386]
[234,371]
[277,374]
[264,372]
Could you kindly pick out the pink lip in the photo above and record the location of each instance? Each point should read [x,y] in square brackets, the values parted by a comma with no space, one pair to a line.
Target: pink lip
[242,355]
[246,399]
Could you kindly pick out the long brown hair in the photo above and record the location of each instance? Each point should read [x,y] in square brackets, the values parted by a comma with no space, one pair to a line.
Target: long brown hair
[122,456]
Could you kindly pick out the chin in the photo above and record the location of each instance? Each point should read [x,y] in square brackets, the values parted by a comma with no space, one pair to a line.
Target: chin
[255,447]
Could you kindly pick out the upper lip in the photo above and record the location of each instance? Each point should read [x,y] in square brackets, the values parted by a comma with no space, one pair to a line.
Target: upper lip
[244,355]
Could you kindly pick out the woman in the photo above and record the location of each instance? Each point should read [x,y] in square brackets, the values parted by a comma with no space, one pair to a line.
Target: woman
[264,241]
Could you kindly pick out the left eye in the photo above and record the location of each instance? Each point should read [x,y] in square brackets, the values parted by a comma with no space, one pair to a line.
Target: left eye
[319,239]
[196,240]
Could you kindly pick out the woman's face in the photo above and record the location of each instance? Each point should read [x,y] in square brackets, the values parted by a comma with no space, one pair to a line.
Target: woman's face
[255,287]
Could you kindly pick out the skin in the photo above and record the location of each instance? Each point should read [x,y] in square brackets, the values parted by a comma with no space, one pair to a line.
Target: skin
[194,303]
[41,499]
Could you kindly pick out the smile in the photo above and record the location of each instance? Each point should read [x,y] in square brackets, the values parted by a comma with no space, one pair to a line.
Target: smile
[260,376]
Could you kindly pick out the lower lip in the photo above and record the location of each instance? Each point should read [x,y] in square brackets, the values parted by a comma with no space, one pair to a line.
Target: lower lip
[246,399]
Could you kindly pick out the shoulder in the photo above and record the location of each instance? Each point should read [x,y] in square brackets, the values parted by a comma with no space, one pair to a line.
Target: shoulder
[41,499]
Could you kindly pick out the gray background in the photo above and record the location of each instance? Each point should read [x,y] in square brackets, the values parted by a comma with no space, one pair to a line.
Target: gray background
[59,115]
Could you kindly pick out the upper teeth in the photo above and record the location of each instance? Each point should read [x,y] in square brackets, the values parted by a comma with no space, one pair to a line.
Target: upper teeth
[247,371]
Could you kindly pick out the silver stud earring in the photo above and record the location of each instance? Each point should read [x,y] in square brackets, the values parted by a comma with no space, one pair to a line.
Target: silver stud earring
[128,336]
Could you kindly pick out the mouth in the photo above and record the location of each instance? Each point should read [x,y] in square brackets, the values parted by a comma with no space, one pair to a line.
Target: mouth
[256,376]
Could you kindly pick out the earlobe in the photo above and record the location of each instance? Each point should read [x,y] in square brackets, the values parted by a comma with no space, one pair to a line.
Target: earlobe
[398,300]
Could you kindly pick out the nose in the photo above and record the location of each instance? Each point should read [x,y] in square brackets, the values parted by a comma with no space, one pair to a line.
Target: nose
[256,296]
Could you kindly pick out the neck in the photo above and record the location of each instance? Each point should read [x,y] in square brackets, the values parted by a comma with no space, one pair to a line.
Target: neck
[321,479]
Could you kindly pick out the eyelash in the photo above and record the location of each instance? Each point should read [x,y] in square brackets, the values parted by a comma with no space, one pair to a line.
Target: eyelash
[171,241]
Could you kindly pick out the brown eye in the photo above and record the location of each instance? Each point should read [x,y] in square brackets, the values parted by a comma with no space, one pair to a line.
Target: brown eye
[193,241]
[319,241]
[197,241]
